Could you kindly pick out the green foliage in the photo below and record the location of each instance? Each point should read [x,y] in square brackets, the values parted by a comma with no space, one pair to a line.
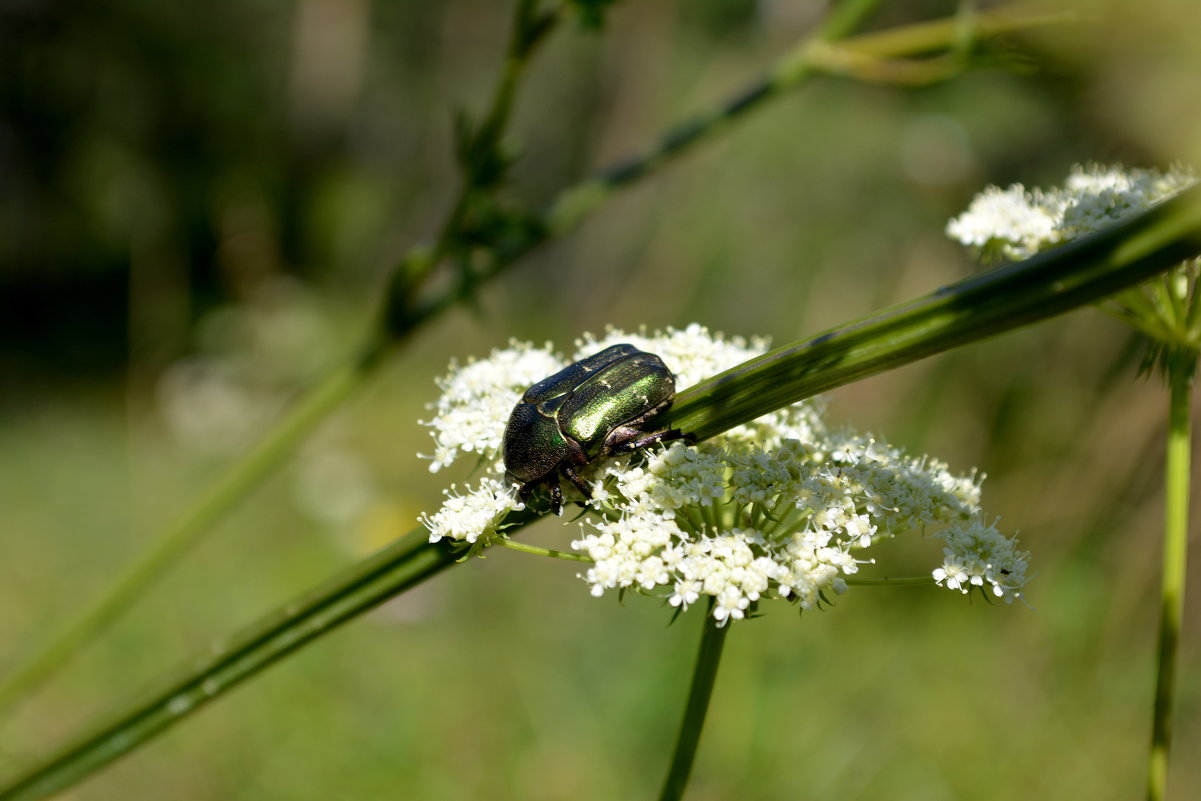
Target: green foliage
[478,149]
[591,13]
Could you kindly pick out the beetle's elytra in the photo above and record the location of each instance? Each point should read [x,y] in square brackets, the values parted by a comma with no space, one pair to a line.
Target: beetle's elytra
[586,411]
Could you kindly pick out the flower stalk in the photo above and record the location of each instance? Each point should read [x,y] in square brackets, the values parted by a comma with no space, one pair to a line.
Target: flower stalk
[1175,562]
[704,675]
[534,550]
[401,566]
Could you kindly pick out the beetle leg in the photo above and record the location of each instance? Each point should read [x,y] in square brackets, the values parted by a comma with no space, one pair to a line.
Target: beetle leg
[636,442]
[552,486]
[579,482]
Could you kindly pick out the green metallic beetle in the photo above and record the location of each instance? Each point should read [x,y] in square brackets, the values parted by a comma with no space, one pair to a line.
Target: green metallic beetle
[584,412]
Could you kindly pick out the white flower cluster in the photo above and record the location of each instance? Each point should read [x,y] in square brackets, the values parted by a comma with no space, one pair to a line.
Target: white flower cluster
[477,399]
[778,508]
[466,517]
[1016,223]
[963,567]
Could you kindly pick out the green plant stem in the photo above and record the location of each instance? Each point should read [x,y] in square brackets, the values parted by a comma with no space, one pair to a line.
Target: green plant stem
[514,545]
[888,57]
[403,308]
[1175,561]
[789,72]
[801,63]
[950,33]
[189,529]
[704,674]
[902,581]
[983,306]
[364,586]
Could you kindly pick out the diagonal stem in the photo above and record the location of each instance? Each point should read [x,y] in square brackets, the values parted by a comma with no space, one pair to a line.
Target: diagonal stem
[210,509]
[366,585]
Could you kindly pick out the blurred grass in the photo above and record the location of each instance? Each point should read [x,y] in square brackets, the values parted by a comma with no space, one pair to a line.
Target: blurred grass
[821,208]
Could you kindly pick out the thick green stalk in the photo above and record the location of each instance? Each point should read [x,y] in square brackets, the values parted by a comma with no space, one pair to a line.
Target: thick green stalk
[405,564]
[1175,561]
[991,303]
[704,674]
[189,529]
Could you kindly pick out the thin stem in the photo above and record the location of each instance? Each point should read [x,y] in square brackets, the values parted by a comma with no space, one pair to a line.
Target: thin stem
[798,65]
[885,582]
[704,674]
[1175,560]
[893,72]
[514,545]
[949,32]
[189,529]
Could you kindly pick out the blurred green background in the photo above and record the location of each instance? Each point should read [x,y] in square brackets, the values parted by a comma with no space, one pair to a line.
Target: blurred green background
[198,206]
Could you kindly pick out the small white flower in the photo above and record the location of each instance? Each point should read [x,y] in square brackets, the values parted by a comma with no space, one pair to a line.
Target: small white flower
[978,555]
[694,354]
[1012,220]
[475,514]
[477,399]
[1015,223]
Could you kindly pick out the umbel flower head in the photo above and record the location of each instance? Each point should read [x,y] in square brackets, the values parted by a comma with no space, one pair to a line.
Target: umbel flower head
[1016,223]
[779,508]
